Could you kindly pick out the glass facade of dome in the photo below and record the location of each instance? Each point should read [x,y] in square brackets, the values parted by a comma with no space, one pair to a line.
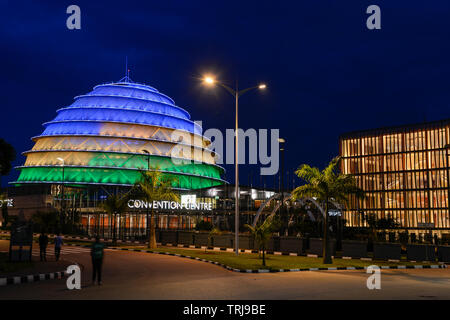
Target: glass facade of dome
[101,137]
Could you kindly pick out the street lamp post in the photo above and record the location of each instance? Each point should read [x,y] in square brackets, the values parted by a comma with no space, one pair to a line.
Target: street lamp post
[148,158]
[236,93]
[62,213]
[282,141]
[148,170]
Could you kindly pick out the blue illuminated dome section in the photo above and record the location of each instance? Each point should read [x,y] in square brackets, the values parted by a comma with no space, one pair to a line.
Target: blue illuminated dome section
[111,133]
[121,102]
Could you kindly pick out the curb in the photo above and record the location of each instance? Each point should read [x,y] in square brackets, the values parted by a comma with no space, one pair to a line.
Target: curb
[221,249]
[32,278]
[441,266]
[243,250]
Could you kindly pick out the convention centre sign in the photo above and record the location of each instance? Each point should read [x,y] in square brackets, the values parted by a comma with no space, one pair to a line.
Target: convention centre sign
[169,205]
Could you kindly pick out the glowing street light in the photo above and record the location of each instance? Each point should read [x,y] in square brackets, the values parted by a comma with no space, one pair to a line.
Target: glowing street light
[236,93]
[209,80]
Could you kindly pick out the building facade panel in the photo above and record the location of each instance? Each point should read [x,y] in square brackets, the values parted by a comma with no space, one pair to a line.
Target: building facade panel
[404,173]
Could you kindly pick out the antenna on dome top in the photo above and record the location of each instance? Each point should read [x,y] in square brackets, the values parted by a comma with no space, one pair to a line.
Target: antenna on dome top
[127,72]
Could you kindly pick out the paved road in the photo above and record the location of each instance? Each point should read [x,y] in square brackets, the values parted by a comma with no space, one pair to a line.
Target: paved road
[132,275]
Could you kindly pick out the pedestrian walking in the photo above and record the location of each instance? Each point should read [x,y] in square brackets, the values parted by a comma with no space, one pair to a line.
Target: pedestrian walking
[97,260]
[58,245]
[43,241]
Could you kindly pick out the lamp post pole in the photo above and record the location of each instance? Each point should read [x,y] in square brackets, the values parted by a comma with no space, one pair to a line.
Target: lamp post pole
[236,174]
[62,212]
[282,141]
[236,93]
[147,229]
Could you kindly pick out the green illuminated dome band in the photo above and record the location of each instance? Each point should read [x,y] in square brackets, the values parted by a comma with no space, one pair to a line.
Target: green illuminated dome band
[106,176]
[110,134]
[122,161]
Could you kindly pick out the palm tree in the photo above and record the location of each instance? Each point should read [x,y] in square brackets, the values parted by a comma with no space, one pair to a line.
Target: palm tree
[326,185]
[115,205]
[262,234]
[155,186]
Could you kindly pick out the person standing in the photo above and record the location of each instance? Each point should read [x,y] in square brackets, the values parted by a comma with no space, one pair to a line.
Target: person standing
[58,245]
[43,241]
[97,260]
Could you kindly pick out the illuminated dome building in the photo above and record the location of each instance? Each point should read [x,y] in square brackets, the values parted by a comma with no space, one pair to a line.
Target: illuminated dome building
[106,137]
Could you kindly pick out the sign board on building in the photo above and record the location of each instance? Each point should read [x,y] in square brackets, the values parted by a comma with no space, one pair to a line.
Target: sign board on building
[188,198]
[334,213]
[425,225]
[169,205]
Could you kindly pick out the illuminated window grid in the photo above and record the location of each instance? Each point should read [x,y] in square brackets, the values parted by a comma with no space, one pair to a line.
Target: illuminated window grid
[403,171]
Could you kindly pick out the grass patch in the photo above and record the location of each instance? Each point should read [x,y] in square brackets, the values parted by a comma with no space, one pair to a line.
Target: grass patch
[81,243]
[253,262]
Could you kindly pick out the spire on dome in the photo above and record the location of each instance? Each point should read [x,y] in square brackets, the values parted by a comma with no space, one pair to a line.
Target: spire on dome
[127,72]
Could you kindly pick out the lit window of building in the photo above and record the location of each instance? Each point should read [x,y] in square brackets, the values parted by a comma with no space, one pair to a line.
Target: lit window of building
[403,172]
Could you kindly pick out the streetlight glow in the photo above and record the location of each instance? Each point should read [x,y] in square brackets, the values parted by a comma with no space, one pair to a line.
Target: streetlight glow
[262,86]
[209,80]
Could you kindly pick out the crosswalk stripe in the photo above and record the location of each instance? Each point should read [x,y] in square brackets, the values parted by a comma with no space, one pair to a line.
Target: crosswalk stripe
[64,251]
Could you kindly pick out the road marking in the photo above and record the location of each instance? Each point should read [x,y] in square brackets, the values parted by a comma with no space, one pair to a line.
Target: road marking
[64,251]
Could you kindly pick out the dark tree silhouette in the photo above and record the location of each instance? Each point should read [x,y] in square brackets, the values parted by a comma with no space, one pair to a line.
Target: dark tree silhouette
[7,155]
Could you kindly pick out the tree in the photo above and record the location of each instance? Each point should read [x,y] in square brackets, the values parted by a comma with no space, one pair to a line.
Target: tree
[155,186]
[380,224]
[7,155]
[46,220]
[262,233]
[211,234]
[326,185]
[4,210]
[202,225]
[115,205]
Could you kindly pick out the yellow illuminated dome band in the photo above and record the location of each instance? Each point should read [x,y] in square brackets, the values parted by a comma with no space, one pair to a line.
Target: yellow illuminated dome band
[106,137]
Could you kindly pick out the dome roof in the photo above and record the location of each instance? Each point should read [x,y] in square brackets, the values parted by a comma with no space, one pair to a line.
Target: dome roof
[107,135]
[125,103]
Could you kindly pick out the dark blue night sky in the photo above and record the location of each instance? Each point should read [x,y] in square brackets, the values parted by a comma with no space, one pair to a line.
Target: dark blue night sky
[327,73]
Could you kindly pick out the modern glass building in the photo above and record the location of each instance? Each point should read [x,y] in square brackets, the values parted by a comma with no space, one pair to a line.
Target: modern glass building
[404,172]
[105,137]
